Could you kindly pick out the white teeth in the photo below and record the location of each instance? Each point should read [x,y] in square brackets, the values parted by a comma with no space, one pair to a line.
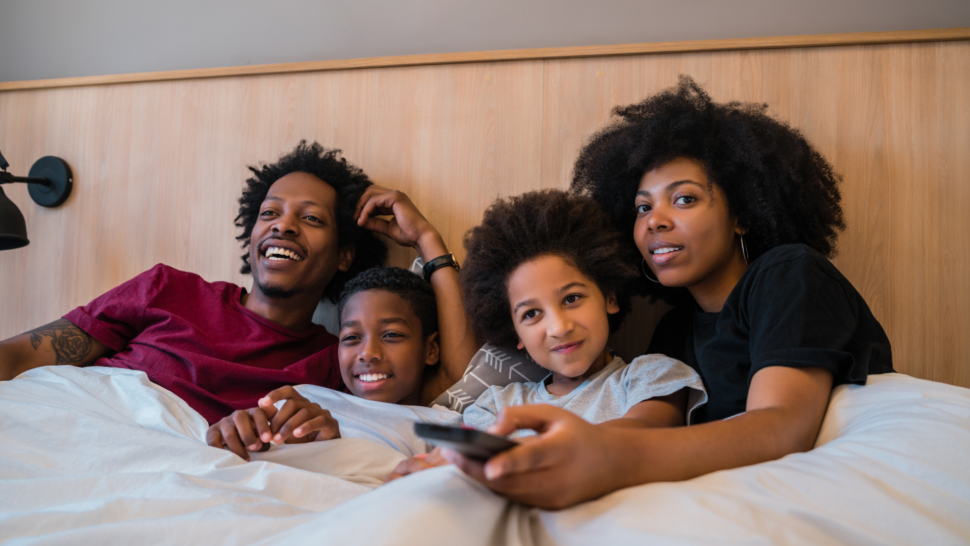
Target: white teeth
[276,253]
[667,249]
[372,377]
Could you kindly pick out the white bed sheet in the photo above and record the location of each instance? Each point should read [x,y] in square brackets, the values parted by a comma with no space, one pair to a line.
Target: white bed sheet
[101,455]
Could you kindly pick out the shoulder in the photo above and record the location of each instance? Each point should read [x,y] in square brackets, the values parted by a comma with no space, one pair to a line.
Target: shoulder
[491,402]
[167,278]
[169,273]
[791,259]
[162,271]
[164,275]
[512,391]
[794,267]
[789,256]
[657,367]
[514,394]
[147,285]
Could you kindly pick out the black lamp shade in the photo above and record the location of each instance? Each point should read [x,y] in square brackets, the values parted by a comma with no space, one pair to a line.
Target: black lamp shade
[13,228]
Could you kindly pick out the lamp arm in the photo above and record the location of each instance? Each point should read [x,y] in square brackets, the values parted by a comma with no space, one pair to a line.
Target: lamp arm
[7,178]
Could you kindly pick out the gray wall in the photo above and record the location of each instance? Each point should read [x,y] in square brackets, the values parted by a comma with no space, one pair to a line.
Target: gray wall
[62,38]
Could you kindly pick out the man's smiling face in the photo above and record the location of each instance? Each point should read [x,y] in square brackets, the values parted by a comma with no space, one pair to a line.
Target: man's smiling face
[294,248]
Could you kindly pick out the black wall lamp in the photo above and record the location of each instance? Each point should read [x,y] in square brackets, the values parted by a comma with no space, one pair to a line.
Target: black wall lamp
[50,180]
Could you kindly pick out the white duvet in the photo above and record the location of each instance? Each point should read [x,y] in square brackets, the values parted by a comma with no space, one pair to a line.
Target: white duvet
[102,456]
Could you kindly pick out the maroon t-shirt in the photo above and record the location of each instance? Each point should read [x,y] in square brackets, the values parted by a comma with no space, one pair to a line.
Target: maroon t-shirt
[197,340]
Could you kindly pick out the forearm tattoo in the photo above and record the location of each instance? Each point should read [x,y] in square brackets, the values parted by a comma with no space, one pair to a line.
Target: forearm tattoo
[70,343]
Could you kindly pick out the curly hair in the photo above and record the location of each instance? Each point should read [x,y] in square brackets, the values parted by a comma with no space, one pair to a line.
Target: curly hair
[401,282]
[534,224]
[780,188]
[349,183]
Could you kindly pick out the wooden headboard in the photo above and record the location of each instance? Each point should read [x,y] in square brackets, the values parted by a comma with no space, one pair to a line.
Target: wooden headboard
[159,159]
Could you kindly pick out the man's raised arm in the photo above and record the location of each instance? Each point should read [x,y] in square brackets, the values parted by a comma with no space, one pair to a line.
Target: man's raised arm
[57,343]
[410,228]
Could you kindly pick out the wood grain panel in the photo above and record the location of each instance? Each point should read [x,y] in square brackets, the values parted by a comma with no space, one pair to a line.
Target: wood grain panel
[159,165]
[731,44]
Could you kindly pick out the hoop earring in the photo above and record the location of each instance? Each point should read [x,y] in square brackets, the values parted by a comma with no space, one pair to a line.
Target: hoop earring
[744,249]
[643,266]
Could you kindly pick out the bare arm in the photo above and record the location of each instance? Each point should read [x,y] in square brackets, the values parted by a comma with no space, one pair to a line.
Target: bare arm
[784,414]
[409,227]
[458,343]
[54,344]
[661,411]
[573,461]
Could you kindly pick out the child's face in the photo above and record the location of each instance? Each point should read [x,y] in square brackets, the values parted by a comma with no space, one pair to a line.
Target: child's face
[382,351]
[560,315]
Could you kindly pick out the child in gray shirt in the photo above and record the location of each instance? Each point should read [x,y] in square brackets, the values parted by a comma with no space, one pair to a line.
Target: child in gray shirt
[608,394]
[547,271]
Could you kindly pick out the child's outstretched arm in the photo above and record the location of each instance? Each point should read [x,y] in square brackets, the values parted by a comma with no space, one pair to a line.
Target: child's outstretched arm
[573,461]
[409,227]
[297,421]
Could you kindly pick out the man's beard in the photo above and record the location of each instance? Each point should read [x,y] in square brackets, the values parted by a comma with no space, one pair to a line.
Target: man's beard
[275,291]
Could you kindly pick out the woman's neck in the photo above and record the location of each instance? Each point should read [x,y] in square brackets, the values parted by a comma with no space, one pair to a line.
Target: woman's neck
[562,385]
[711,293]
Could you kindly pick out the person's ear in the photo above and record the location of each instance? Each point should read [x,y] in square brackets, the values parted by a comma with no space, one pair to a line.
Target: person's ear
[612,307]
[346,256]
[520,346]
[432,350]
[738,228]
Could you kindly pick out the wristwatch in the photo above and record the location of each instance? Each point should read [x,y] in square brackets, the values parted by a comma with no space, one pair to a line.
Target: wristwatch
[448,260]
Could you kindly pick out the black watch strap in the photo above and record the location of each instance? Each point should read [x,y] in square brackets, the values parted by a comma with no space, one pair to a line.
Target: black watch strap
[448,260]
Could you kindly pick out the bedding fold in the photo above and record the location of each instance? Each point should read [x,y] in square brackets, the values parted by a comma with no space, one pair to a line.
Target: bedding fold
[102,455]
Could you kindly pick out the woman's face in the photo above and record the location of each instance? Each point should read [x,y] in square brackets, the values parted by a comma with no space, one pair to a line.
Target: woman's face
[685,231]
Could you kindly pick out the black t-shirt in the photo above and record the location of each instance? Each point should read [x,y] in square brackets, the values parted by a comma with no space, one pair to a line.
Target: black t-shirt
[791,308]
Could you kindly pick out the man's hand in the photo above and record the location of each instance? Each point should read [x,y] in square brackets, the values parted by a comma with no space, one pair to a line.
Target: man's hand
[417,463]
[408,227]
[241,432]
[297,421]
[569,462]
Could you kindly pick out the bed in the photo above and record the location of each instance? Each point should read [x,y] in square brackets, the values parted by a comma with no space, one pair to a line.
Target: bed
[101,455]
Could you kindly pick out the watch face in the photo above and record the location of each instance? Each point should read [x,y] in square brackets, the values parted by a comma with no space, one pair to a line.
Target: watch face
[439,262]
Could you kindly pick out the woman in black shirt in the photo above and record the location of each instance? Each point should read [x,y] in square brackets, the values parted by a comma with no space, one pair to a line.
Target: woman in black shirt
[734,214]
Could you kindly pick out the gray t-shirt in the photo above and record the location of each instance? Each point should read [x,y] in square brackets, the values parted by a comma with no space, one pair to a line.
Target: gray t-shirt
[608,394]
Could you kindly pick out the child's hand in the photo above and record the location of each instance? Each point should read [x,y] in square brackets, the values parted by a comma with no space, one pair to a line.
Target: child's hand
[417,463]
[298,420]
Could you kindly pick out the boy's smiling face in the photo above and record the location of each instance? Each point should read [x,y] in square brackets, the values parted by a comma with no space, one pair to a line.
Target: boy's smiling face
[560,316]
[382,351]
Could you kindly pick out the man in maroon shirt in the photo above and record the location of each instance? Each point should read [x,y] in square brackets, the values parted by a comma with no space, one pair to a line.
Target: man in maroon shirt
[307,221]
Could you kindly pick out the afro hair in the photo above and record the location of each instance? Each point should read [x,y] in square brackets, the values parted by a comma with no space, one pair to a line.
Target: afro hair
[548,222]
[349,182]
[780,188]
[401,282]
